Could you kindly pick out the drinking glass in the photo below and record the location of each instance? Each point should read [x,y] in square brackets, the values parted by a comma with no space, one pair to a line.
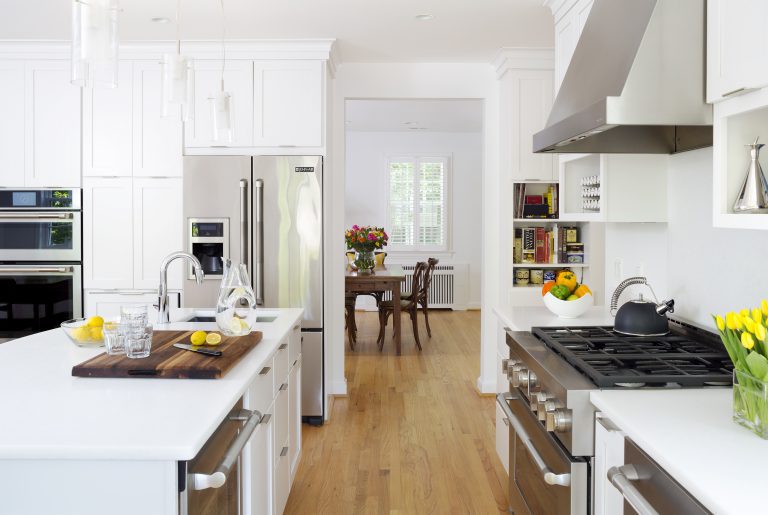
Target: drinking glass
[113,340]
[139,343]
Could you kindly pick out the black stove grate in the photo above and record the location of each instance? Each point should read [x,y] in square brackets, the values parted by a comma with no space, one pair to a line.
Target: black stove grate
[611,359]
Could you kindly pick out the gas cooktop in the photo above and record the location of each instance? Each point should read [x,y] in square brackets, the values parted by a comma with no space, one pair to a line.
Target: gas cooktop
[686,357]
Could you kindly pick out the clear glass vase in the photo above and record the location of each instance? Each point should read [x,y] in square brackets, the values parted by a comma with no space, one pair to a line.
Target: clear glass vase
[365,261]
[750,403]
[236,307]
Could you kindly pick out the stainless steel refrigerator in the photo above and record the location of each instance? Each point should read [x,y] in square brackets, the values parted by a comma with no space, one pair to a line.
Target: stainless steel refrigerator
[265,211]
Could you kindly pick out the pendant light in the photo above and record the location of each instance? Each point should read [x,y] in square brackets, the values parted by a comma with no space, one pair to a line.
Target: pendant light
[178,79]
[94,42]
[221,102]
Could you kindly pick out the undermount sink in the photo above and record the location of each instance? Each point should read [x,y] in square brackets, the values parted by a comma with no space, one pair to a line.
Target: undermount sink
[198,318]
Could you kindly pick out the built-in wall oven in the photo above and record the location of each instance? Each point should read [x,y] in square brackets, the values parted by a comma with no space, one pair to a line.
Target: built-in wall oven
[40,259]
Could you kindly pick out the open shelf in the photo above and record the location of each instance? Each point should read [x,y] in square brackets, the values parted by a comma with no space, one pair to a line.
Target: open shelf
[550,265]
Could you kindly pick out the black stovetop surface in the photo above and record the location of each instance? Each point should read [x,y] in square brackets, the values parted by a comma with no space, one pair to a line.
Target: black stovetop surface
[686,357]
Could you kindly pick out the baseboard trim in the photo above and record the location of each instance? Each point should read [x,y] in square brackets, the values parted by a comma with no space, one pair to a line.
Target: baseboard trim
[337,388]
[486,388]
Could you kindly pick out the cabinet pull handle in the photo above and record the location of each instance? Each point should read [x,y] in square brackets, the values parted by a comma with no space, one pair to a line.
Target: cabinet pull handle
[621,478]
[283,387]
[739,90]
[284,452]
[283,346]
[265,371]
[296,327]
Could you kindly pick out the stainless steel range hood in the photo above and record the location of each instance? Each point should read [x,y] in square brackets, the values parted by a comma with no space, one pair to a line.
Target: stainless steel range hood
[635,83]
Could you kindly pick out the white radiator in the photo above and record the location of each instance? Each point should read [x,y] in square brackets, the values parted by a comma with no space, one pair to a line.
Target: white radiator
[449,288]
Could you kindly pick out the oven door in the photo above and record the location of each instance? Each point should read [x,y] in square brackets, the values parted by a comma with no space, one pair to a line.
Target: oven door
[40,236]
[543,478]
[38,297]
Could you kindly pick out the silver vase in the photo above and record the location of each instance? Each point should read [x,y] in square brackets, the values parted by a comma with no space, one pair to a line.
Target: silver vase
[753,196]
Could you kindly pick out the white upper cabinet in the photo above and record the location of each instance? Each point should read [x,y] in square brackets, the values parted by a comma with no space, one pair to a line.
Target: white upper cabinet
[288,103]
[12,123]
[157,141]
[238,81]
[570,18]
[737,47]
[52,128]
[108,233]
[157,230]
[108,127]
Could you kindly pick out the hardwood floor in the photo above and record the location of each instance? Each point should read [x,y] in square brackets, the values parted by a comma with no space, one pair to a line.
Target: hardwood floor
[413,436]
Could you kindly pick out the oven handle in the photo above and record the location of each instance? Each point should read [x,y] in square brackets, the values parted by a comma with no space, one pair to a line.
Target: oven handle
[218,478]
[549,477]
[621,478]
[30,217]
[11,270]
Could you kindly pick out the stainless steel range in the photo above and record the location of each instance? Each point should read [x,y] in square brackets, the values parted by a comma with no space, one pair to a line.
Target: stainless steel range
[551,372]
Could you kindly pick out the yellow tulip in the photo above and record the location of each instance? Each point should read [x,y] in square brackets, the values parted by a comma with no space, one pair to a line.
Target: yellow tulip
[764,307]
[747,341]
[720,323]
[744,313]
[749,324]
[730,320]
[760,332]
[757,316]
[738,321]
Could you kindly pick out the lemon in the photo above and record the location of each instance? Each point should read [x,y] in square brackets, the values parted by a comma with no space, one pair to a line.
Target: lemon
[81,334]
[213,339]
[198,337]
[245,325]
[96,321]
[97,333]
[235,326]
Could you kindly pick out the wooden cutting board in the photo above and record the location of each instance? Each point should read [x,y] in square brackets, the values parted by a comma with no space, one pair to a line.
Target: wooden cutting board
[166,361]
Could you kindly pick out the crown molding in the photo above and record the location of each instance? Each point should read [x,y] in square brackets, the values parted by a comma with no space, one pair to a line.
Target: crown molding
[559,7]
[521,58]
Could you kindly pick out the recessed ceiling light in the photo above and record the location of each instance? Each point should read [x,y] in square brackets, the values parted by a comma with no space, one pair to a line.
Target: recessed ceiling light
[161,19]
[425,17]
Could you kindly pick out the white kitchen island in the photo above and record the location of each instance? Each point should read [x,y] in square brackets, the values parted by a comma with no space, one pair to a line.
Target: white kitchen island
[73,445]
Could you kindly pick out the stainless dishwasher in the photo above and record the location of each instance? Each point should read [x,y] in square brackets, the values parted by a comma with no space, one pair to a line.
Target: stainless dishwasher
[211,482]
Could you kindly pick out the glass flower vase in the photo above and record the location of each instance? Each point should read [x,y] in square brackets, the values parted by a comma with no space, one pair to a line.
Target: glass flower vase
[365,261]
[236,306]
[750,403]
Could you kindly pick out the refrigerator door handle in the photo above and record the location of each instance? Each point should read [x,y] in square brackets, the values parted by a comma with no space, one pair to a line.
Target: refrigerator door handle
[258,230]
[244,221]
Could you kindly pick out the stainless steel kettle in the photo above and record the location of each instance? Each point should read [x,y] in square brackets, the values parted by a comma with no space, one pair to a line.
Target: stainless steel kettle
[640,317]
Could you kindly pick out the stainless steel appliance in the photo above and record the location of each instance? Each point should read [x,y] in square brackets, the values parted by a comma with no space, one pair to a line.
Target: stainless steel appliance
[273,205]
[211,483]
[551,372]
[209,243]
[640,317]
[40,259]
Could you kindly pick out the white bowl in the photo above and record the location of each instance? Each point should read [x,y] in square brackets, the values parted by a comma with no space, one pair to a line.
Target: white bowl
[568,308]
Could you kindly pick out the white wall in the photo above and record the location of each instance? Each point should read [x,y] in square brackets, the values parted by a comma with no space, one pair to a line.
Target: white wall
[366,173]
[707,270]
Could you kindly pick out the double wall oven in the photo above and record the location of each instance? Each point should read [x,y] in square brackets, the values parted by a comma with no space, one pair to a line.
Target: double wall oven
[40,259]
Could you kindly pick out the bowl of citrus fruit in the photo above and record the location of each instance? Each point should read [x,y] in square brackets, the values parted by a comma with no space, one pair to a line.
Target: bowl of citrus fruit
[85,332]
[565,297]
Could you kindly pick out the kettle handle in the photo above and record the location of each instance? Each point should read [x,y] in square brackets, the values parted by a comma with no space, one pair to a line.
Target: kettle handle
[623,285]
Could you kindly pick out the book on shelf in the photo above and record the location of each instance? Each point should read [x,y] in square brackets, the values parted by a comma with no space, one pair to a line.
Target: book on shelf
[518,249]
[547,245]
[535,205]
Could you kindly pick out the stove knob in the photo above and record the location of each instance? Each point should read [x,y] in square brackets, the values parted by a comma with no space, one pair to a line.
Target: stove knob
[559,421]
[538,400]
[542,403]
[519,373]
[529,380]
[507,365]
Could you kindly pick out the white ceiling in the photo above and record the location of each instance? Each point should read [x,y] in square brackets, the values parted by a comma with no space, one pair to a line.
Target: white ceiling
[414,116]
[366,30]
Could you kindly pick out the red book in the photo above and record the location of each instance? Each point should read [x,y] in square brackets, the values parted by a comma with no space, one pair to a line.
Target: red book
[541,248]
[534,199]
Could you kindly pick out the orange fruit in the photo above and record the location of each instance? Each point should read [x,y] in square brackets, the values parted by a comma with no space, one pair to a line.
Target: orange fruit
[547,286]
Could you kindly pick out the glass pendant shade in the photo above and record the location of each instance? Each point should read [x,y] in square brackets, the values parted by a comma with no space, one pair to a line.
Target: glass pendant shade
[94,42]
[221,116]
[178,86]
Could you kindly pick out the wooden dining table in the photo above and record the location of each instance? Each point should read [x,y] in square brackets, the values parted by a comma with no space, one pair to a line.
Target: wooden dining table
[383,278]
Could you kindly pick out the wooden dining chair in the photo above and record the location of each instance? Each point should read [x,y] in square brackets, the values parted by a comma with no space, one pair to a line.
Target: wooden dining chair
[350,299]
[423,296]
[411,306]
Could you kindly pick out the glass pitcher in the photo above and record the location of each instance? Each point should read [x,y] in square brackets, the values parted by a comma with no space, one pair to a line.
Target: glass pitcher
[236,307]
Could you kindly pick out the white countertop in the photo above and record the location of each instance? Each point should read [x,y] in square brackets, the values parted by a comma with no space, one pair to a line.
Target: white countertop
[691,434]
[48,414]
[522,318]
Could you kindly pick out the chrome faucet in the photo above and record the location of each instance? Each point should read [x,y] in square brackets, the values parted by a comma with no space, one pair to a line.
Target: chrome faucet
[163,316]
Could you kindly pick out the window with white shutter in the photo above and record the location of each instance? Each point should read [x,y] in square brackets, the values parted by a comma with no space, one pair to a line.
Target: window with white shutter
[418,203]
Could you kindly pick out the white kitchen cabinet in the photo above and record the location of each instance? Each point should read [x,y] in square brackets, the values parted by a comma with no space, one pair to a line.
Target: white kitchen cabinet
[238,81]
[52,125]
[570,18]
[12,123]
[107,233]
[259,472]
[106,303]
[609,452]
[108,127]
[157,141]
[158,226]
[288,103]
[294,416]
[737,44]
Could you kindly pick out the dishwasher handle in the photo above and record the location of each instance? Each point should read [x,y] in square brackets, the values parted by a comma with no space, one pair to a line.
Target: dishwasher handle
[621,478]
[219,477]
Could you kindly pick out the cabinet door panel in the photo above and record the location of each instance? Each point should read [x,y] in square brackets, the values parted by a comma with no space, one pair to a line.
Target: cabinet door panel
[52,125]
[288,103]
[158,226]
[294,417]
[609,452]
[530,94]
[12,124]
[258,467]
[108,127]
[107,233]
[157,141]
[107,303]
[238,80]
